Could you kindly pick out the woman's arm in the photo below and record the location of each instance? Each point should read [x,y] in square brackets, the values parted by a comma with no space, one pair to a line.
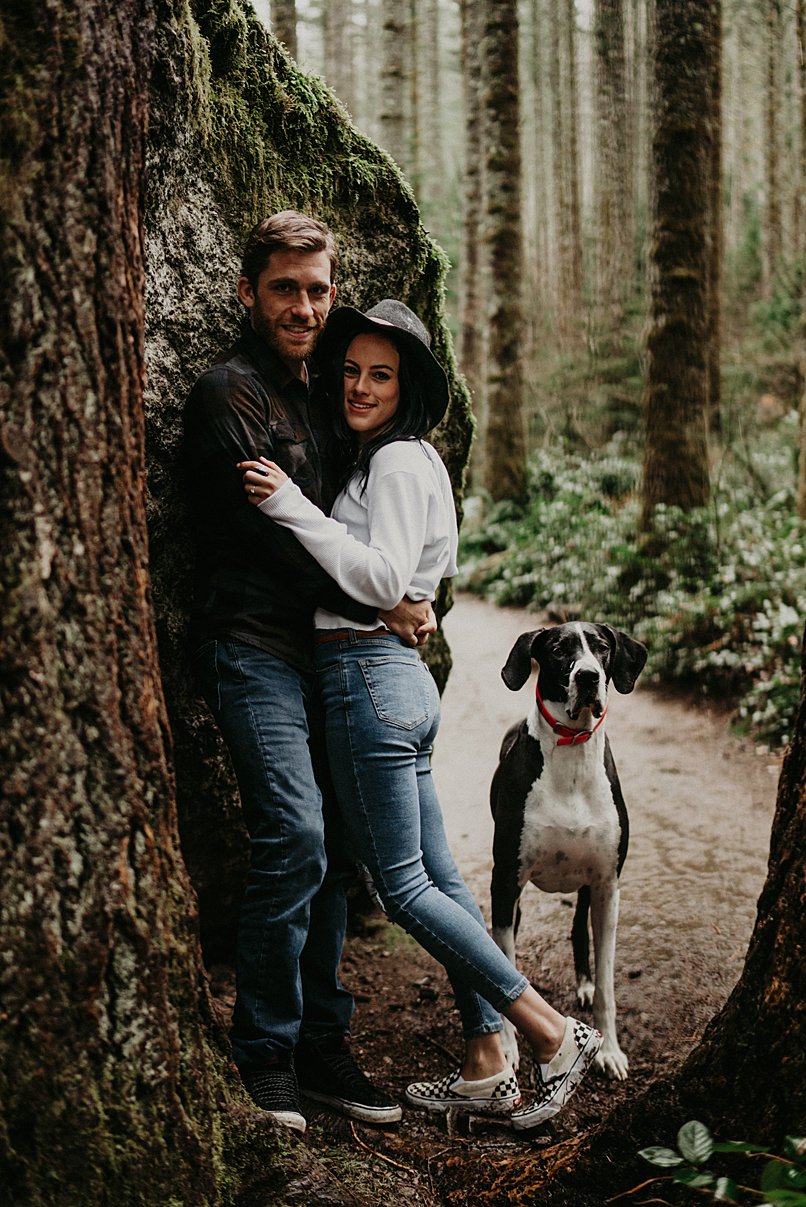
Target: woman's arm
[378,573]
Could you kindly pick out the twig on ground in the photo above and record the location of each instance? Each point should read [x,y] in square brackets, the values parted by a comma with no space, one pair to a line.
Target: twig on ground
[380,1156]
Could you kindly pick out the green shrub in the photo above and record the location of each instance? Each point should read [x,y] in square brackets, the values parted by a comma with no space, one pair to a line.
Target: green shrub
[717,594]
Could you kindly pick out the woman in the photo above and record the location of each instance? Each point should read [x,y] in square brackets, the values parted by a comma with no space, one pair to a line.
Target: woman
[392,533]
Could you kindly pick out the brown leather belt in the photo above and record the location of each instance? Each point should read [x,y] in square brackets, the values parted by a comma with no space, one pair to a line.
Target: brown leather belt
[323,635]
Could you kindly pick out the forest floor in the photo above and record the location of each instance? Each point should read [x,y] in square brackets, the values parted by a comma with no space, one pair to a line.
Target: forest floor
[700,802]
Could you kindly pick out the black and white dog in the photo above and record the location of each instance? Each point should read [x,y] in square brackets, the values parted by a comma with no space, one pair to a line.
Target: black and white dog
[560,818]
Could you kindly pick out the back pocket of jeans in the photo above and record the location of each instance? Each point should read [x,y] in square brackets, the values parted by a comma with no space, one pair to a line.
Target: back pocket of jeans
[400,690]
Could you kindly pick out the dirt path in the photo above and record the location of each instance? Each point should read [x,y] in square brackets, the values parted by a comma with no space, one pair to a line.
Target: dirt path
[701,806]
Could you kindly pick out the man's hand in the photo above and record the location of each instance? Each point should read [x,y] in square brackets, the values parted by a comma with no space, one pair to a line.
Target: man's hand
[414,622]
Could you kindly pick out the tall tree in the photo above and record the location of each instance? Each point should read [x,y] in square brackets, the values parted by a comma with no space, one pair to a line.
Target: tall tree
[504,435]
[472,291]
[394,73]
[338,44]
[715,222]
[800,28]
[284,24]
[115,1082]
[613,160]
[772,225]
[431,122]
[675,468]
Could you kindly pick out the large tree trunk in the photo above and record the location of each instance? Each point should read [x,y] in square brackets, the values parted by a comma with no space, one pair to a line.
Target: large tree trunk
[504,436]
[800,15]
[395,77]
[675,469]
[115,1080]
[614,196]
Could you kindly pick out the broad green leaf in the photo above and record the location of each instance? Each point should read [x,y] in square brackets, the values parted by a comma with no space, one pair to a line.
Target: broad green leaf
[695,1142]
[665,1157]
[781,1175]
[726,1191]
[795,1147]
[786,1198]
[692,1177]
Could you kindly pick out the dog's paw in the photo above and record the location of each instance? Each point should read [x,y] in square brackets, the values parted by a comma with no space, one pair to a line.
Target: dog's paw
[585,989]
[611,1061]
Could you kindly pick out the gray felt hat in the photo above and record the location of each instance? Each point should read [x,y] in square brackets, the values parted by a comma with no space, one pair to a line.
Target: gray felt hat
[409,335]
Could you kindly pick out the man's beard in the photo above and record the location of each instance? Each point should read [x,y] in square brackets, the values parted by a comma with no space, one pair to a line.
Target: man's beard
[275,338]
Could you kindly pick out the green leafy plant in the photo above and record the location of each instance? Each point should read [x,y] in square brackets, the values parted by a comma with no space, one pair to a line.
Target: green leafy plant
[782,1181]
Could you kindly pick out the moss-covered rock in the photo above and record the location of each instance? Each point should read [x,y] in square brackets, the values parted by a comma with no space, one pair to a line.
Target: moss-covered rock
[237,131]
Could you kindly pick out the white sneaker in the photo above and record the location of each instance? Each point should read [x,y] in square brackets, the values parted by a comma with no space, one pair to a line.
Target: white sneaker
[496,1095]
[561,1075]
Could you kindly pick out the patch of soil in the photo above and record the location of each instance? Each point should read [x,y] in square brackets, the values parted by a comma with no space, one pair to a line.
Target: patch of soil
[700,804]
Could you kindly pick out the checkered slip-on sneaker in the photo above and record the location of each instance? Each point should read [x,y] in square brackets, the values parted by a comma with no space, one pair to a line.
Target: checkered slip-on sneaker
[496,1095]
[562,1075]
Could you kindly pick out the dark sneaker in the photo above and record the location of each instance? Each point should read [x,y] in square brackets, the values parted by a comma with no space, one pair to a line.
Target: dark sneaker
[275,1091]
[328,1073]
[561,1075]
[496,1095]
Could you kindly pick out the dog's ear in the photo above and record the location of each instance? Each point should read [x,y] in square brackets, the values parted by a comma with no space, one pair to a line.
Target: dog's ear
[628,660]
[518,666]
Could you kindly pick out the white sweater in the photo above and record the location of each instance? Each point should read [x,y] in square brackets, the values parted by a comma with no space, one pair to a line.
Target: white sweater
[397,538]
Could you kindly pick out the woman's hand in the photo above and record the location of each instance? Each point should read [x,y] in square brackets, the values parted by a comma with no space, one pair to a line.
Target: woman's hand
[261,479]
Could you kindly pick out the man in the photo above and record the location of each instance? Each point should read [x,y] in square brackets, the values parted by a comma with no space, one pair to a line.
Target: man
[252,630]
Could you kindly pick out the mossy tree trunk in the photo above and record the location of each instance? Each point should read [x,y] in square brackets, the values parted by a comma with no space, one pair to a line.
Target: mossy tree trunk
[504,436]
[115,1076]
[675,467]
[800,26]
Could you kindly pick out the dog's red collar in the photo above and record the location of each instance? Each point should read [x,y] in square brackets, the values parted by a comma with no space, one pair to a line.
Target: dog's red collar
[566,735]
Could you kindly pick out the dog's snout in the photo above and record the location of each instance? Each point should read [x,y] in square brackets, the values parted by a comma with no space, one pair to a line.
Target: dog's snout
[586,677]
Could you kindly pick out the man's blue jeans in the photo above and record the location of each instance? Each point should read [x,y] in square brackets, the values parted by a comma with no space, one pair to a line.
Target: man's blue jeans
[293,914]
[382,714]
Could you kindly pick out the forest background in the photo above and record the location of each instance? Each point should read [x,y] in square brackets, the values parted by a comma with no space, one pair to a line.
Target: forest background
[550,195]
[139,143]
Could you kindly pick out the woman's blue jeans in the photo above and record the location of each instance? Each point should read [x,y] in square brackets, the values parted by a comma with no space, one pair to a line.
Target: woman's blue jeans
[382,714]
[293,914]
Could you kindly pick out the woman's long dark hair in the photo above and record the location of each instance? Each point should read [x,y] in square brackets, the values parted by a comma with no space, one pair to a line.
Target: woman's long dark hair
[411,421]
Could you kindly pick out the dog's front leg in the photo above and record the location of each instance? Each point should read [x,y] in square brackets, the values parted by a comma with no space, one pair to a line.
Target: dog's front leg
[604,920]
[506,916]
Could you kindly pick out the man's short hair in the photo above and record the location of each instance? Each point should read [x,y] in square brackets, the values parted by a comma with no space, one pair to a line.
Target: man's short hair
[287,231]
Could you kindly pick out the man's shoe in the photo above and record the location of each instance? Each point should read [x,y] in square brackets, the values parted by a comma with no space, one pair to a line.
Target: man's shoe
[561,1075]
[496,1095]
[328,1073]
[275,1091]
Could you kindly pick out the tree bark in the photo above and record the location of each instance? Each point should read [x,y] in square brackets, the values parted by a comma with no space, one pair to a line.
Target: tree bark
[473,262]
[772,224]
[115,1086]
[715,223]
[504,435]
[115,1078]
[675,466]
[338,43]
[614,170]
[395,77]
[800,26]
[284,24]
